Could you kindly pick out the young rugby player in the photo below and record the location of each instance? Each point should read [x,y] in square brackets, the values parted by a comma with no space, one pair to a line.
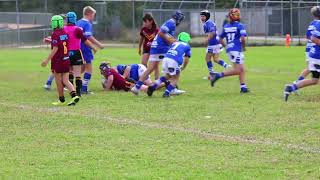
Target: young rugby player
[147,34]
[133,72]
[212,41]
[76,36]
[160,45]
[313,56]
[60,63]
[86,24]
[177,56]
[235,35]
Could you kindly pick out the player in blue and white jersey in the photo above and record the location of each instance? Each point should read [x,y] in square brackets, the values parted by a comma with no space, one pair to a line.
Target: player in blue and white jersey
[178,55]
[313,56]
[86,24]
[133,72]
[159,47]
[235,35]
[212,41]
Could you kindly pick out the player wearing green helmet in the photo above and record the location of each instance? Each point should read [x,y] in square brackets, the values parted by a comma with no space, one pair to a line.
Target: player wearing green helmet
[177,56]
[60,62]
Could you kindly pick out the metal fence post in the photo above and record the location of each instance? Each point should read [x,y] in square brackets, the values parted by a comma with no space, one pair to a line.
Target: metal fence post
[18,23]
[133,24]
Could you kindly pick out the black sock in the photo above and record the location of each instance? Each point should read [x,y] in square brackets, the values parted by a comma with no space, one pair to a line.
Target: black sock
[61,99]
[71,78]
[78,85]
[73,94]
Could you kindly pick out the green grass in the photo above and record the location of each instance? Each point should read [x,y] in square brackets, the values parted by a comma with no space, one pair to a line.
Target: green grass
[207,133]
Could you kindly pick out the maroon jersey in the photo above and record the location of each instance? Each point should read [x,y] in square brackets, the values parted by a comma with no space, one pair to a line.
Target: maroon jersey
[148,35]
[119,83]
[60,62]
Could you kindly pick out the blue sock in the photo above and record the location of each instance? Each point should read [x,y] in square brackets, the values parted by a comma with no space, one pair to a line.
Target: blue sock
[50,79]
[294,87]
[85,82]
[220,75]
[210,67]
[169,89]
[139,84]
[222,63]
[158,82]
[300,78]
[243,86]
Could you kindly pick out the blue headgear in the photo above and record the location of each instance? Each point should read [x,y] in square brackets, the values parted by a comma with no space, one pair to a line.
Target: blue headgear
[71,18]
[121,68]
[178,16]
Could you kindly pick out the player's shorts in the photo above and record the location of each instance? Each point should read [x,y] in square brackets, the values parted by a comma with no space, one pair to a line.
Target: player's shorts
[170,67]
[87,55]
[156,57]
[60,66]
[307,56]
[214,49]
[314,67]
[141,70]
[236,57]
[146,51]
[76,57]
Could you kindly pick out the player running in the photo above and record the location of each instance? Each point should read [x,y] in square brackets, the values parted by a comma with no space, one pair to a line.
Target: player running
[112,80]
[147,34]
[177,56]
[60,63]
[86,24]
[76,36]
[214,46]
[160,45]
[133,72]
[314,56]
[235,34]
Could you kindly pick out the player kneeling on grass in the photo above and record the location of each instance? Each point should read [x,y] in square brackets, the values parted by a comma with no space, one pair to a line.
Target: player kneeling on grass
[133,72]
[60,63]
[314,61]
[178,54]
[235,34]
[112,80]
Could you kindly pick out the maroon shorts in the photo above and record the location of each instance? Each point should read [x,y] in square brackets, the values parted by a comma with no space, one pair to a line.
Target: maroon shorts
[60,66]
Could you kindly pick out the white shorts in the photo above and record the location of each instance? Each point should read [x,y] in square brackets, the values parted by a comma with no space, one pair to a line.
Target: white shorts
[314,64]
[214,49]
[236,57]
[141,70]
[307,56]
[156,57]
[170,67]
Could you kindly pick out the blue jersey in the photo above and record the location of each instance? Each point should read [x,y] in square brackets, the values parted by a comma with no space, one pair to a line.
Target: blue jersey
[178,51]
[315,49]
[158,43]
[210,27]
[86,27]
[311,27]
[233,32]
[134,71]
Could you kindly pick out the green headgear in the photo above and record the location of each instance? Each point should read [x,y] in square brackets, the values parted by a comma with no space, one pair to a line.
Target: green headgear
[184,37]
[56,22]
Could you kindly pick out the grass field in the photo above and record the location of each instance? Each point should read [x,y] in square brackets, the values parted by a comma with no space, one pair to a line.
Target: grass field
[208,133]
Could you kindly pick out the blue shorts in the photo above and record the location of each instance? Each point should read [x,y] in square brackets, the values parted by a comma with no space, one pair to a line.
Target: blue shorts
[87,55]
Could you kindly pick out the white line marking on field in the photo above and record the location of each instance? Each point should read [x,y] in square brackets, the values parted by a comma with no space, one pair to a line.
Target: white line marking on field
[194,131]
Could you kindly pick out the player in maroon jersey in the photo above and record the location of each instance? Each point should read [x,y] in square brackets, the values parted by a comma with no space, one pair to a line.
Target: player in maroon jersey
[112,80]
[60,62]
[147,33]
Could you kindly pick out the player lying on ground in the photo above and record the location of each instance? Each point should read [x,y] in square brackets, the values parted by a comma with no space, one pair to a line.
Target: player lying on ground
[235,35]
[133,72]
[60,62]
[86,24]
[177,56]
[159,47]
[314,57]
[76,36]
[214,47]
[112,80]
[147,33]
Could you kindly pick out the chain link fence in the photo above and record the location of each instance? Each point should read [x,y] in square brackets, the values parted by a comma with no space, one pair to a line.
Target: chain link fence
[25,23]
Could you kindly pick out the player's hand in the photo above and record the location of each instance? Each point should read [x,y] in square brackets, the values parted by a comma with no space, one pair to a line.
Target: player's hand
[243,49]
[47,40]
[101,46]
[44,63]
[95,50]
[139,51]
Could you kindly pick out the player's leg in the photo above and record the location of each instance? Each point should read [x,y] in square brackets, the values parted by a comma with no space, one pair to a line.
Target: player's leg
[156,71]
[209,63]
[48,84]
[141,70]
[218,60]
[305,72]
[59,83]
[70,87]
[71,75]
[144,59]
[88,57]
[78,82]
[173,84]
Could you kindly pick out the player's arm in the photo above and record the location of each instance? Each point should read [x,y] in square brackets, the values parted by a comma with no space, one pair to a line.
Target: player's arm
[96,42]
[88,43]
[108,83]
[52,53]
[140,45]
[80,35]
[315,40]
[47,40]
[222,42]
[126,73]
[167,37]
[185,62]
[243,43]
[209,37]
